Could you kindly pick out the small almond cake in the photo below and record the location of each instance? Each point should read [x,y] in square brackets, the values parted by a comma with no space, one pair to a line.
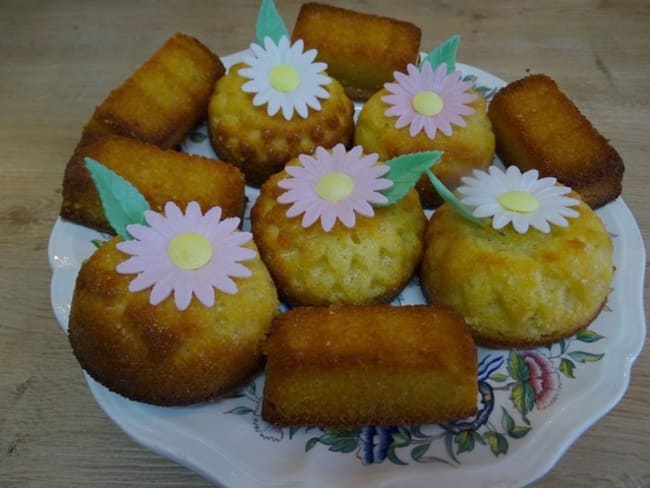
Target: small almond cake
[342,249]
[427,108]
[164,98]
[362,63]
[521,285]
[538,126]
[159,174]
[350,366]
[196,333]
[274,106]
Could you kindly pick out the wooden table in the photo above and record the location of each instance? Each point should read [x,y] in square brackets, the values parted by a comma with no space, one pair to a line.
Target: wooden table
[59,59]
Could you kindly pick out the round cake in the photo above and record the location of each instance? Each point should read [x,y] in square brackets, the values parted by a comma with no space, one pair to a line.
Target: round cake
[518,290]
[365,264]
[245,135]
[468,147]
[156,353]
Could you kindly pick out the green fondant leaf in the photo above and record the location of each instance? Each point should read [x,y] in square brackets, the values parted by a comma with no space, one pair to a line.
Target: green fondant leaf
[451,199]
[122,202]
[269,23]
[405,171]
[445,53]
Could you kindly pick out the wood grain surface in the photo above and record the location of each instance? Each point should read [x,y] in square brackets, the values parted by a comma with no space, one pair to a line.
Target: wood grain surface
[58,59]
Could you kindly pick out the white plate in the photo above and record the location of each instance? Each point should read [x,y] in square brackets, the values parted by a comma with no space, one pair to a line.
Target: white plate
[523,436]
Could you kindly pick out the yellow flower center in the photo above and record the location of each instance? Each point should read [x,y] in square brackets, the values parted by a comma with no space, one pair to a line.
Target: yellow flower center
[284,77]
[427,103]
[334,186]
[518,201]
[189,250]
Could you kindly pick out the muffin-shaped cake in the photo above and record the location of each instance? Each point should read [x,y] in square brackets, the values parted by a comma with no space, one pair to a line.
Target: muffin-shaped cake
[322,239]
[274,106]
[427,109]
[519,285]
[149,346]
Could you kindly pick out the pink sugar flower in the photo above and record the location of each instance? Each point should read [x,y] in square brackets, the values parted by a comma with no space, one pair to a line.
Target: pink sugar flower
[428,100]
[185,254]
[334,185]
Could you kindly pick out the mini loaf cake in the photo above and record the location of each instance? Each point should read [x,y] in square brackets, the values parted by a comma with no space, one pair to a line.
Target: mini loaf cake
[361,50]
[164,98]
[160,175]
[345,366]
[538,126]
[521,285]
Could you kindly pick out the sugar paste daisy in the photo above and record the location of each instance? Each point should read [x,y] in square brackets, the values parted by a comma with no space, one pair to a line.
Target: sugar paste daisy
[334,186]
[284,77]
[187,254]
[428,100]
[525,200]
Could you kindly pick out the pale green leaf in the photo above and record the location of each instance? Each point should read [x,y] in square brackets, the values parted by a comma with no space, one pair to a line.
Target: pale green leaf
[451,199]
[269,23]
[445,53]
[405,171]
[123,204]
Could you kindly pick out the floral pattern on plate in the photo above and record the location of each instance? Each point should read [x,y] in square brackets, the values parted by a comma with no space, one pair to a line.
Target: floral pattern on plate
[513,385]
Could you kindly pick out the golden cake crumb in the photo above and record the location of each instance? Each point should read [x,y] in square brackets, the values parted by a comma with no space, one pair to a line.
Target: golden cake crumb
[345,366]
[361,50]
[538,126]
[160,175]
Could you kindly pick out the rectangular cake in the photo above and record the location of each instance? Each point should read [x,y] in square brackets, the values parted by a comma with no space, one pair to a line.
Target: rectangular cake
[538,127]
[164,98]
[345,366]
[361,50]
[161,175]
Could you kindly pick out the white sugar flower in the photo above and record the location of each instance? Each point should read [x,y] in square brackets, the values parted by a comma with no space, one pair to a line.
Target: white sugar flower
[523,199]
[285,78]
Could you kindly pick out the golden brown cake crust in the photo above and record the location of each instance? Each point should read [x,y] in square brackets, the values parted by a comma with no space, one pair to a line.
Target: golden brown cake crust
[164,98]
[538,126]
[345,366]
[369,263]
[518,290]
[361,50]
[160,175]
[259,145]
[470,147]
[157,354]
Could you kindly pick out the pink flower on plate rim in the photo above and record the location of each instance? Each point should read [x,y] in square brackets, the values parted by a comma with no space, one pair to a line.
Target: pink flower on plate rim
[428,100]
[542,377]
[334,185]
[187,254]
